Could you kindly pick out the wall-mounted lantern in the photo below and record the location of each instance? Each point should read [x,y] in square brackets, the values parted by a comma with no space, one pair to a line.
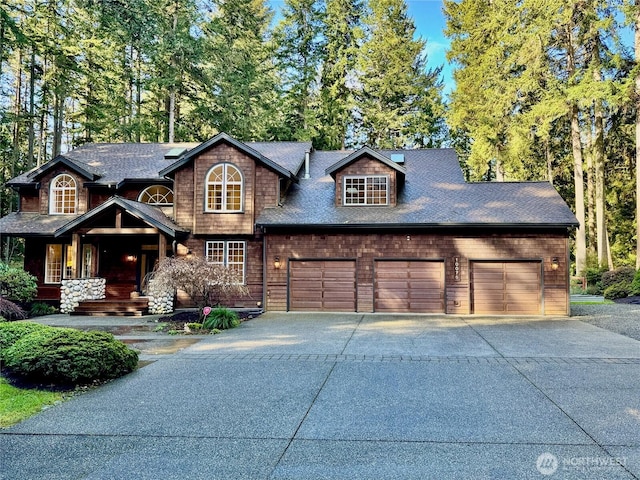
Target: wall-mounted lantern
[555,263]
[276,263]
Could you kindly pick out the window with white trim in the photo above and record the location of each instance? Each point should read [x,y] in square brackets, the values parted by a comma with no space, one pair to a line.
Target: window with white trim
[223,189]
[53,264]
[63,195]
[160,195]
[230,254]
[366,190]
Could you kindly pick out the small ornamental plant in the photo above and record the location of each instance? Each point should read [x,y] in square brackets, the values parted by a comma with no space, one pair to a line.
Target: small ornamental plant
[219,318]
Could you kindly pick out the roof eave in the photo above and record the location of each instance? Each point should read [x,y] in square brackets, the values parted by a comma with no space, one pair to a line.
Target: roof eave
[66,162]
[400,226]
[333,169]
[223,137]
[118,202]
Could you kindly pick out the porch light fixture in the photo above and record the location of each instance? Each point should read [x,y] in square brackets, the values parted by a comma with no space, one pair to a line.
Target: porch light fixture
[276,263]
[555,263]
[131,258]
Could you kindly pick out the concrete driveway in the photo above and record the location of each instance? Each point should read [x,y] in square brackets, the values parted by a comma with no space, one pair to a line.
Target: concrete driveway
[312,396]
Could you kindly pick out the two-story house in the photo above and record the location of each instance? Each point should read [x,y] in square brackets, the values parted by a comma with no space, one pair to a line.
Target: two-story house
[365,230]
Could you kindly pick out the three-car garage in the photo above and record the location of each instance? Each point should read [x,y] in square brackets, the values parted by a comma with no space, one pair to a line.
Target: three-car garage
[415,286]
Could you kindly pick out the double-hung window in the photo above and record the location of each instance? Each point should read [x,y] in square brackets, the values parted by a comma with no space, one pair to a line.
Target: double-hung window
[230,254]
[366,190]
[223,189]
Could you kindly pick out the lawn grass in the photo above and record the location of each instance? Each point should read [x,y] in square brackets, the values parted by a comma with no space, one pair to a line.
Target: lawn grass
[16,404]
[604,302]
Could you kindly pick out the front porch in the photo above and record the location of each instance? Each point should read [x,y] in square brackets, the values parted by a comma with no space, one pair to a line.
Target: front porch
[119,244]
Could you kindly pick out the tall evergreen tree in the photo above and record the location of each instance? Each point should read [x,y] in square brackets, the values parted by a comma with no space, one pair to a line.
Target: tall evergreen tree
[240,75]
[398,101]
[299,53]
[343,36]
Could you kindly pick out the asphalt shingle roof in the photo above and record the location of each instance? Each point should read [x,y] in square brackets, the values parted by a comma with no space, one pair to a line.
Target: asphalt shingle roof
[28,224]
[434,194]
[113,163]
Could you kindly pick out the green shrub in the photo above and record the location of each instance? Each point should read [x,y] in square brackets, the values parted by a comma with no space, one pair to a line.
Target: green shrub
[68,356]
[16,284]
[635,284]
[40,308]
[221,318]
[594,276]
[619,275]
[617,290]
[11,332]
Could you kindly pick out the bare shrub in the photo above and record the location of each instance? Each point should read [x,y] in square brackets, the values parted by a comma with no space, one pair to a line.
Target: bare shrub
[204,282]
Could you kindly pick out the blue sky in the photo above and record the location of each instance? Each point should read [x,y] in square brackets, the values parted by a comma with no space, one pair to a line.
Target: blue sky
[430,24]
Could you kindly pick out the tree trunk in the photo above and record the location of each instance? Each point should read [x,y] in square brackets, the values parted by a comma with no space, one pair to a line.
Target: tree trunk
[599,160]
[549,158]
[32,106]
[592,232]
[576,146]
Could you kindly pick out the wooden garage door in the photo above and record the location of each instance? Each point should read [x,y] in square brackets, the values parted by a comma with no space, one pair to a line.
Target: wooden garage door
[500,288]
[409,286]
[322,285]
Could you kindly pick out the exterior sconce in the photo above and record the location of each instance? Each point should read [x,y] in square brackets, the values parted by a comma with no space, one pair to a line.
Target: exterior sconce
[408,238]
[276,263]
[131,258]
[555,263]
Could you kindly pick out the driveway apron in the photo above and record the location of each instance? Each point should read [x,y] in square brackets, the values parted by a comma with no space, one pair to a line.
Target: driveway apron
[348,396]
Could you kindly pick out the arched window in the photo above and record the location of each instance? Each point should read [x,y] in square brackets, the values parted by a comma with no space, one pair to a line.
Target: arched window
[224,189]
[156,195]
[63,197]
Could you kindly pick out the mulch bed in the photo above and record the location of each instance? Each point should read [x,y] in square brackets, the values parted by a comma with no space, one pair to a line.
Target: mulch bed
[178,322]
[633,300]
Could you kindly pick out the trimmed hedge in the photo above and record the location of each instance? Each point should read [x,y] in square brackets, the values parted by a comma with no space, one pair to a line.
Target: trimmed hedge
[11,332]
[68,356]
[617,276]
[617,290]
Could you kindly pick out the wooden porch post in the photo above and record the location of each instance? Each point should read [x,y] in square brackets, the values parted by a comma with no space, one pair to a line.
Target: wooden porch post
[76,255]
[162,246]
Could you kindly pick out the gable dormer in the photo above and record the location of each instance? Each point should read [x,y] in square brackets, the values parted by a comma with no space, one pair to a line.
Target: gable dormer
[59,185]
[367,178]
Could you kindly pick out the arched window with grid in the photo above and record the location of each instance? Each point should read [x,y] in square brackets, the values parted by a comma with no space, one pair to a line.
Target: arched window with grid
[223,189]
[160,195]
[63,198]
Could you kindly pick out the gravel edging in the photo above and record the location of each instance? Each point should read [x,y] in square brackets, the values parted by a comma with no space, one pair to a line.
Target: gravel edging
[622,318]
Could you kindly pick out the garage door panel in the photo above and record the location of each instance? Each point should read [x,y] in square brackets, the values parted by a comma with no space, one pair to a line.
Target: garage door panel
[322,285]
[409,286]
[506,287]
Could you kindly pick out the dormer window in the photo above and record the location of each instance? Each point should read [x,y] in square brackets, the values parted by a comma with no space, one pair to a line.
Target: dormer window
[366,190]
[157,195]
[63,195]
[224,189]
